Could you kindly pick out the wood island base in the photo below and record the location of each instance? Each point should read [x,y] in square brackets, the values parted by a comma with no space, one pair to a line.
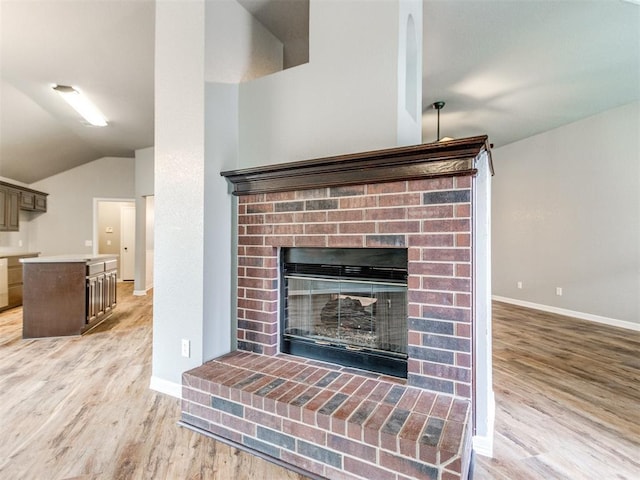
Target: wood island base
[67,295]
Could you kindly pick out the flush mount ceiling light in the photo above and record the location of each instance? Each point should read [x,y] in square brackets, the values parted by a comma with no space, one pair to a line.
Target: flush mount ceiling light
[81,104]
[438,106]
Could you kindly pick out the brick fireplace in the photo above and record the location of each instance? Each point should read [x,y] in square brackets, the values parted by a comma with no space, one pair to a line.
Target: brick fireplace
[335,421]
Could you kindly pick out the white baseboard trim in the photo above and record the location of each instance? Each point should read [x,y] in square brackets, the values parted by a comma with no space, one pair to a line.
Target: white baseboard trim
[570,313]
[166,387]
[483,444]
[142,293]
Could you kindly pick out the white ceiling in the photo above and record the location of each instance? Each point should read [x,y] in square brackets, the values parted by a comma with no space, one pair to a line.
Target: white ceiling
[104,47]
[510,69]
[515,68]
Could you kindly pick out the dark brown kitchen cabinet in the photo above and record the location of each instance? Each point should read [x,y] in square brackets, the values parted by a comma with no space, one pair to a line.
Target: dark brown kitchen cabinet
[33,201]
[110,286]
[95,295]
[102,279]
[27,201]
[14,198]
[9,209]
[67,295]
[40,202]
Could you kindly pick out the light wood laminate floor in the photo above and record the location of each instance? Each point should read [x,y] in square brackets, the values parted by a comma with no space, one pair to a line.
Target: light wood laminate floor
[567,392]
[567,399]
[81,408]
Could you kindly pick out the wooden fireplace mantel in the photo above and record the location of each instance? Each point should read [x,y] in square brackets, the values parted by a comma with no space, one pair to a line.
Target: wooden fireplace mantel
[456,157]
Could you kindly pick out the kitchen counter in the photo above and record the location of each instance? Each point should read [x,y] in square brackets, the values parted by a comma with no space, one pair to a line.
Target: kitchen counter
[17,254]
[71,258]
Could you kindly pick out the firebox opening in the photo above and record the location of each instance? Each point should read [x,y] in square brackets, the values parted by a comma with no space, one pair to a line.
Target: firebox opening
[346,306]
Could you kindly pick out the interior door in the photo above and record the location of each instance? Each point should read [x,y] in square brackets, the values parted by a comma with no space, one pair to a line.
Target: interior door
[128,242]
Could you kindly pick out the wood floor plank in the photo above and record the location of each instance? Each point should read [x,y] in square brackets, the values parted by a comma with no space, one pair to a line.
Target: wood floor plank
[567,395]
[81,408]
[567,398]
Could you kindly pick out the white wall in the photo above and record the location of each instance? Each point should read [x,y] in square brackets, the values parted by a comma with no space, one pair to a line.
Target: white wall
[144,172]
[255,51]
[409,90]
[179,190]
[483,338]
[344,100]
[68,222]
[18,242]
[566,213]
[194,260]
[143,280]
[219,246]
[149,248]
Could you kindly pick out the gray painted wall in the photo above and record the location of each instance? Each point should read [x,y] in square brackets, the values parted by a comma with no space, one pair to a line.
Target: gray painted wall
[68,222]
[109,228]
[566,213]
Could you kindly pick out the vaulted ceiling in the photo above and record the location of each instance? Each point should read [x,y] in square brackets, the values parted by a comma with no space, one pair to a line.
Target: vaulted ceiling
[105,47]
[510,69]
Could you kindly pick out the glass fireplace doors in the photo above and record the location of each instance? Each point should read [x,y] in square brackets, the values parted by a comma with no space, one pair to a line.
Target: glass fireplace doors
[354,315]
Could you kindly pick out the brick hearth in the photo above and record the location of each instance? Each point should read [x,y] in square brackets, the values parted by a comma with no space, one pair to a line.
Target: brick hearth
[333,421]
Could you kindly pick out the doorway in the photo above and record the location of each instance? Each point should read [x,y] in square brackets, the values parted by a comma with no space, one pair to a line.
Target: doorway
[115,233]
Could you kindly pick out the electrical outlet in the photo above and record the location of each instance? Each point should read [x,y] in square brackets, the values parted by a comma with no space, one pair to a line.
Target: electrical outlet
[559,291]
[88,243]
[186,348]
[519,284]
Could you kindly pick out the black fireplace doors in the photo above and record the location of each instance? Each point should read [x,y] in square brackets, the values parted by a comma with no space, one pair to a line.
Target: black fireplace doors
[346,306]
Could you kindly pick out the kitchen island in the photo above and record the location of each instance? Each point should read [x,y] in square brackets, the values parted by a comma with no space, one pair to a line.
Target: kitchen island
[67,294]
